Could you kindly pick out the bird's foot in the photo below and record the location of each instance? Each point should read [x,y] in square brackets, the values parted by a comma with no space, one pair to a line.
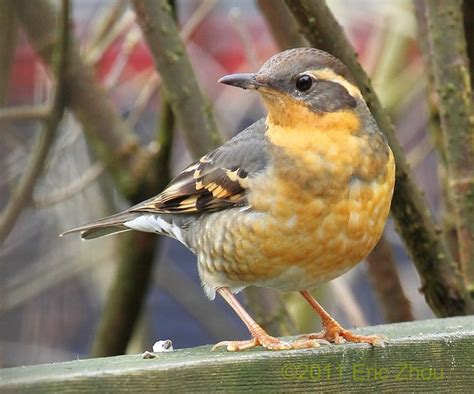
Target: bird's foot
[271,343]
[264,340]
[333,332]
[308,343]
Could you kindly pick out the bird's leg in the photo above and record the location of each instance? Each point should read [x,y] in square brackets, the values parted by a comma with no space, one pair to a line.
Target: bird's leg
[333,331]
[259,336]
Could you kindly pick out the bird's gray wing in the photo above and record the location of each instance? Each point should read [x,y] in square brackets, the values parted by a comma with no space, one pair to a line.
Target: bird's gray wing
[217,180]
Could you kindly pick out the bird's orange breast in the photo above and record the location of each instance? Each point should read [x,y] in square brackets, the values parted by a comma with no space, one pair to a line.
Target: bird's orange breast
[319,210]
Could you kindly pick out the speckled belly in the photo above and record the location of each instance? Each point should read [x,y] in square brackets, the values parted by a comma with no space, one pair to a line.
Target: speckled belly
[298,242]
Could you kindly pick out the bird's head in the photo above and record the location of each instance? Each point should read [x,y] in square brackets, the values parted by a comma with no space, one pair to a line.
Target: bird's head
[300,84]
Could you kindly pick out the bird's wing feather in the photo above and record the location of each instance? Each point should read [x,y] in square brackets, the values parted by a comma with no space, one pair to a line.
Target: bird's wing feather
[217,180]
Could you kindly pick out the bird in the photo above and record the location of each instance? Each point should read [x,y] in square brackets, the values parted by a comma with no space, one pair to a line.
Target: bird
[293,201]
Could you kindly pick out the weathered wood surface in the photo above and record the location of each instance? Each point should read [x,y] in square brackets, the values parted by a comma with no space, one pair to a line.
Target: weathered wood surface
[431,355]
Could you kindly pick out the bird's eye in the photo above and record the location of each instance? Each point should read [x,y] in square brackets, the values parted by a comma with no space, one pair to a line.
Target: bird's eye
[303,83]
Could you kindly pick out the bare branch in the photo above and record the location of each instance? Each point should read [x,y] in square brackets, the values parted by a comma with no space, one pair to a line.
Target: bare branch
[79,184]
[268,308]
[436,135]
[169,278]
[22,194]
[450,68]
[282,23]
[347,302]
[386,282]
[442,283]
[468,13]
[235,16]
[109,135]
[8,35]
[154,81]
[125,295]
[205,7]
[107,22]
[25,112]
[99,45]
[181,89]
[151,85]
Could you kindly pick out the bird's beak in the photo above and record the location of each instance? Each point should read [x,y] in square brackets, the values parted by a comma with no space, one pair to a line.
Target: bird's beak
[245,81]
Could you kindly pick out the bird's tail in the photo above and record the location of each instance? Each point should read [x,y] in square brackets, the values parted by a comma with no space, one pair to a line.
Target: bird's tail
[106,226]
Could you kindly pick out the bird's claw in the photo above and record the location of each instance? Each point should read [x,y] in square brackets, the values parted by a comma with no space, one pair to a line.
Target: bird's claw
[340,335]
[266,341]
[308,343]
[271,343]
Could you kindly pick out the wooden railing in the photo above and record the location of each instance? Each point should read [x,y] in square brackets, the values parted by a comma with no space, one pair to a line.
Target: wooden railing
[431,355]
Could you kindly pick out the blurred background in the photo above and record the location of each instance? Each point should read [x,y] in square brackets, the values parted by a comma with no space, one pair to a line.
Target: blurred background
[53,290]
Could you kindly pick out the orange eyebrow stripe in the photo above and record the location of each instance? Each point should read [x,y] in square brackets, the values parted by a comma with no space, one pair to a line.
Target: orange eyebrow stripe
[329,75]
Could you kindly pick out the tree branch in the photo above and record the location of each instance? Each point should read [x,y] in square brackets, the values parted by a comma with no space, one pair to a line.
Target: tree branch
[8,35]
[111,139]
[450,68]
[386,282]
[442,284]
[87,178]
[125,296]
[436,134]
[24,191]
[468,13]
[128,290]
[282,24]
[193,113]
[33,112]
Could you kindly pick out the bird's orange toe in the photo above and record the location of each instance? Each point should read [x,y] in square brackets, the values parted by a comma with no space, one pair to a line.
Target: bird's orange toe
[266,341]
[340,335]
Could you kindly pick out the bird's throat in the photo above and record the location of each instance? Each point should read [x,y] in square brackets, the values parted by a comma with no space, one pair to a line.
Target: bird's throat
[304,130]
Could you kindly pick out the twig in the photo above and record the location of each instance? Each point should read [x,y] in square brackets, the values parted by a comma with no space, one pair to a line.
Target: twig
[419,152]
[387,285]
[205,7]
[189,295]
[442,283]
[235,16]
[112,141]
[125,296]
[269,310]
[468,13]
[79,184]
[23,193]
[131,39]
[340,288]
[449,223]
[450,68]
[25,112]
[127,292]
[179,83]
[99,46]
[153,81]
[106,23]
[8,36]
[151,85]
[282,23]
[164,139]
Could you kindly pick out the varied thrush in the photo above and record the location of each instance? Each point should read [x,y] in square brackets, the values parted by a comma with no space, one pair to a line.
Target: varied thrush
[293,201]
